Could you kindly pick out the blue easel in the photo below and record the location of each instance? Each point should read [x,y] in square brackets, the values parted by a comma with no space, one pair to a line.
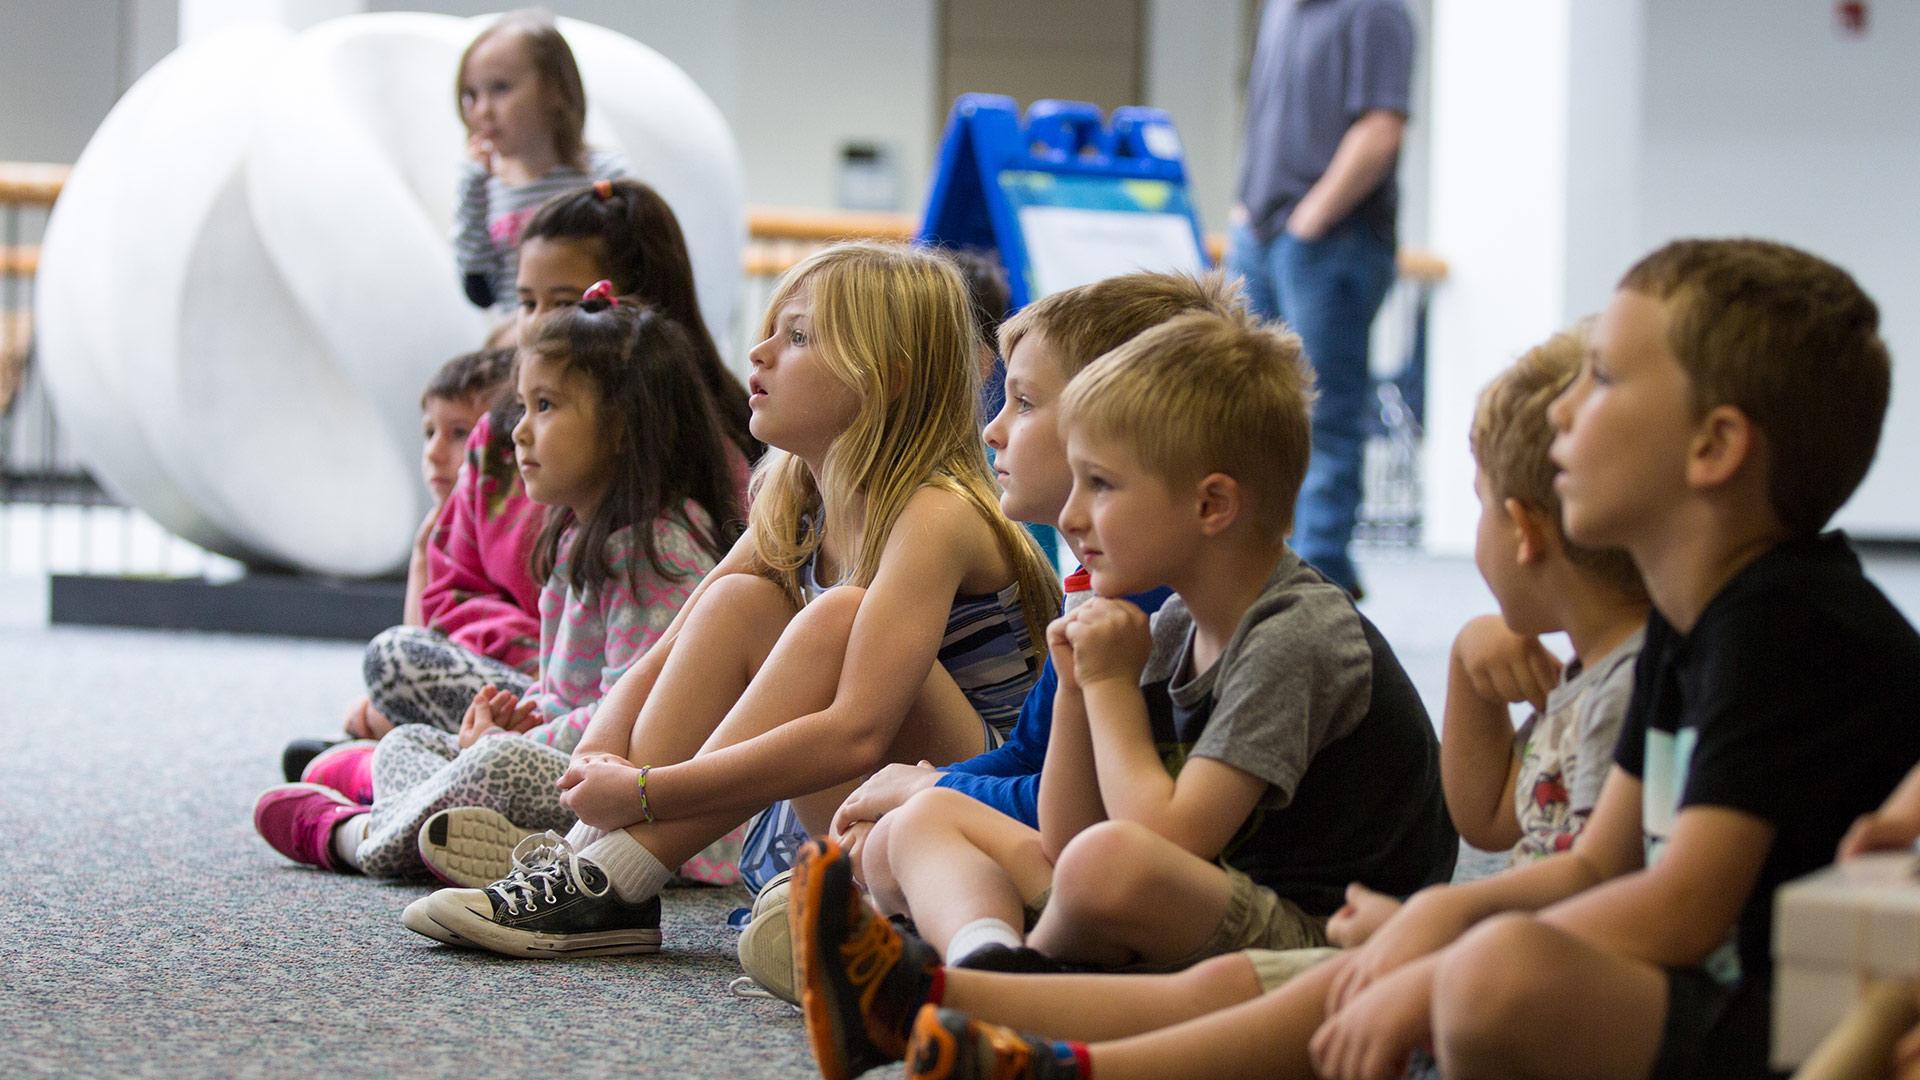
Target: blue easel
[1064,197]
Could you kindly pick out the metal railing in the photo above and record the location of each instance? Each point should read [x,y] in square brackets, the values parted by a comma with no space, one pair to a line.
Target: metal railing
[55,518]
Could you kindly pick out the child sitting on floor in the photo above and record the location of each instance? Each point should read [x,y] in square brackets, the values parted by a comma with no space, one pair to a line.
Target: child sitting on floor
[619,439]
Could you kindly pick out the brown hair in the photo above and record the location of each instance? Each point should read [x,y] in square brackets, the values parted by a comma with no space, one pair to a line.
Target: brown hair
[645,255]
[1083,323]
[1206,392]
[1511,435]
[553,64]
[483,374]
[1793,342]
[667,438]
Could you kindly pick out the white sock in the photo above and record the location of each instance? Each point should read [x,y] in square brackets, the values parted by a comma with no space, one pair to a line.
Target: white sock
[347,837]
[979,934]
[635,873]
[583,834]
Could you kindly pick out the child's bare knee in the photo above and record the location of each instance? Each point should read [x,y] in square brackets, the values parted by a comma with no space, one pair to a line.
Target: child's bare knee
[832,610]
[933,809]
[741,592]
[1487,986]
[1099,874]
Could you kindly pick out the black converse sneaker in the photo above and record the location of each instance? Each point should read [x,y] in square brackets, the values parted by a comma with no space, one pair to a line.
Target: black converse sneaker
[553,904]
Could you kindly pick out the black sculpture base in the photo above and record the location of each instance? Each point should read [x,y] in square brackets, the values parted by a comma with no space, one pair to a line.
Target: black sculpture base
[259,603]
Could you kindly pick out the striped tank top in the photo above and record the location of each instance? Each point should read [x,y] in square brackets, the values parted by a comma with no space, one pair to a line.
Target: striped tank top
[986,649]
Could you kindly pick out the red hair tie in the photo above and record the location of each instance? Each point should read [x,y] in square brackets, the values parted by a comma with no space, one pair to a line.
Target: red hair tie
[603,189]
[601,290]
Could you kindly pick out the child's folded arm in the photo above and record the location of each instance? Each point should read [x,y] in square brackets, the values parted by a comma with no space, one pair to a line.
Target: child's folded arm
[1200,811]
[1677,911]
[1489,668]
[1069,789]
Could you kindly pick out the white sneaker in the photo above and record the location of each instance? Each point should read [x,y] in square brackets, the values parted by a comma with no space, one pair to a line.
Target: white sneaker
[766,945]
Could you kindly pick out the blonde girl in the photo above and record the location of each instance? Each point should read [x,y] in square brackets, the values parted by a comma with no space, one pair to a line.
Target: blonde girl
[880,608]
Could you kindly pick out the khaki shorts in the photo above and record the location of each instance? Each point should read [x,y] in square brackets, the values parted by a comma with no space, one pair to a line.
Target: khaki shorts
[1275,967]
[1258,918]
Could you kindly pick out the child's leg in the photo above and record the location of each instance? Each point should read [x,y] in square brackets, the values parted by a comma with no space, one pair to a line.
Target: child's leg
[951,859]
[416,676]
[506,773]
[941,727]
[1265,1036]
[1091,1007]
[1518,997]
[1115,885]
[800,675]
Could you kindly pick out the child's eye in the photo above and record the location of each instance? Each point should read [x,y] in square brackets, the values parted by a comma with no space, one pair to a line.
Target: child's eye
[426,433]
[461,433]
[797,337]
[527,305]
[1097,483]
[499,88]
[1021,404]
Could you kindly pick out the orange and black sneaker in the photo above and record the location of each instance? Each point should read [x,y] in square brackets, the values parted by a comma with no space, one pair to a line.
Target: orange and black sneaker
[860,979]
[948,1046]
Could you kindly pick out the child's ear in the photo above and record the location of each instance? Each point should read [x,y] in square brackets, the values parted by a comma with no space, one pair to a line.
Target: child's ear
[1724,441]
[1536,537]
[1221,503]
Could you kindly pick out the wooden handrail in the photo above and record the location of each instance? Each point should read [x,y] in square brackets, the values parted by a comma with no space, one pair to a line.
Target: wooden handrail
[771,225]
[32,183]
[780,234]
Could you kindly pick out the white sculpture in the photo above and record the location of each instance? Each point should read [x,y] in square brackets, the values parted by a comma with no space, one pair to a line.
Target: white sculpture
[247,279]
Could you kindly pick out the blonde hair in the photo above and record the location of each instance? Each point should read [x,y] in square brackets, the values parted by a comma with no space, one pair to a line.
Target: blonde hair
[1511,435]
[1081,324]
[553,64]
[1793,342]
[1202,393]
[895,325]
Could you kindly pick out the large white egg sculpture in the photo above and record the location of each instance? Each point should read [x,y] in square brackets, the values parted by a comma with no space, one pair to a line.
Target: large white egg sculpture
[249,277]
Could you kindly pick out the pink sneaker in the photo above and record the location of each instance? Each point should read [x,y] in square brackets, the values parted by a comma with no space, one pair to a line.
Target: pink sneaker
[297,820]
[347,769]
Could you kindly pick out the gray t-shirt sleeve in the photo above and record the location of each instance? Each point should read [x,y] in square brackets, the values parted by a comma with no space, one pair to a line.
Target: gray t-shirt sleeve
[1602,710]
[1291,682]
[1380,52]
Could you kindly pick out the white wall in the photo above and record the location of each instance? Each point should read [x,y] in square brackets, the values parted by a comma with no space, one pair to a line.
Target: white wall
[1762,120]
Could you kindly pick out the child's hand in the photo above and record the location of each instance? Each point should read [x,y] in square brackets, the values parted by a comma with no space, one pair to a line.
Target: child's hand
[1365,912]
[854,841]
[602,790]
[883,793]
[1110,640]
[494,712]
[1060,651]
[480,152]
[1374,1037]
[1878,831]
[1425,924]
[1503,666]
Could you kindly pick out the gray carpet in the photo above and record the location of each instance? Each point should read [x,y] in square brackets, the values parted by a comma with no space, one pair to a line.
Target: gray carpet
[146,931]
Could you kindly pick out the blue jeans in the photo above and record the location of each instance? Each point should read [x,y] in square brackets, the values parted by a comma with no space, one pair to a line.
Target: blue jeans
[1328,291]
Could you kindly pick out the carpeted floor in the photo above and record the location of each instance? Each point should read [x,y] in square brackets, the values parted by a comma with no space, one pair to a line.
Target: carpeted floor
[146,931]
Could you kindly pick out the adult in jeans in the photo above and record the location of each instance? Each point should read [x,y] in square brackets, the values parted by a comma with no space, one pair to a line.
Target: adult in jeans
[1314,223]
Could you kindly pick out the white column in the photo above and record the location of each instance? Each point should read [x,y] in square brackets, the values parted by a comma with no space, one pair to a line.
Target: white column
[199,18]
[1535,115]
